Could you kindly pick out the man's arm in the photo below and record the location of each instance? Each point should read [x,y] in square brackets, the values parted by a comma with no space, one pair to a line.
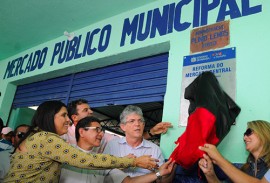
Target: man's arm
[159,128]
[231,171]
[165,169]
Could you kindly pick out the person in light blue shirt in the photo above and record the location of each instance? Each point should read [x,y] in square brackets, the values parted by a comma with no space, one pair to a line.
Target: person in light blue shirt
[5,141]
[133,144]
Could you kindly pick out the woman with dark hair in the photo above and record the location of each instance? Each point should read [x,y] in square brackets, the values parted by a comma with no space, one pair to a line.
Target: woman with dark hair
[39,155]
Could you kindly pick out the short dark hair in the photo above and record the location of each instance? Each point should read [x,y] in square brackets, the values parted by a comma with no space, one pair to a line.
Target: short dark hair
[84,122]
[72,106]
[22,125]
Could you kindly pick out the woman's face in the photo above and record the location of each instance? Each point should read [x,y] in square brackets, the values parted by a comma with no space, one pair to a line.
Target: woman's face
[253,144]
[61,121]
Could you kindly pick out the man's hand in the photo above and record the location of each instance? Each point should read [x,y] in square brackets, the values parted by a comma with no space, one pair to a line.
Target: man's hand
[161,127]
[166,168]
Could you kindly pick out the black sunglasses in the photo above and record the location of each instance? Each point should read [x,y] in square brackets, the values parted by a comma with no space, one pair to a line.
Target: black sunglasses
[248,132]
[20,135]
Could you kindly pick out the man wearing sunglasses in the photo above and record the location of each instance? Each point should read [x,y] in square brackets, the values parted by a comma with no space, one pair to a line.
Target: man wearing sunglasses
[19,133]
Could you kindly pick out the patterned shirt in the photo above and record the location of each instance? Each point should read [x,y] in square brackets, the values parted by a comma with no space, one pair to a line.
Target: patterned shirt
[47,151]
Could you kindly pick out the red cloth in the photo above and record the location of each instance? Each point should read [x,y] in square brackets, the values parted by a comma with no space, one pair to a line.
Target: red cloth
[200,129]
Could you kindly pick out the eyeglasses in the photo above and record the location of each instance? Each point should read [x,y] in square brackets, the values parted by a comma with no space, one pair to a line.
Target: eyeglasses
[20,135]
[248,132]
[141,121]
[98,129]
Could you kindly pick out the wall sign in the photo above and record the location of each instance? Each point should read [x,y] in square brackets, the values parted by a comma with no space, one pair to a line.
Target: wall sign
[159,21]
[210,37]
[221,62]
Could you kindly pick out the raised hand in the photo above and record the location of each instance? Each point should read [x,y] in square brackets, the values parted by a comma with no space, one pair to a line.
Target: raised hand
[161,127]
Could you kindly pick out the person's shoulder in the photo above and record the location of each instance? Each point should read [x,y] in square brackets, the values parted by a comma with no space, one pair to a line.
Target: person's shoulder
[117,140]
[42,135]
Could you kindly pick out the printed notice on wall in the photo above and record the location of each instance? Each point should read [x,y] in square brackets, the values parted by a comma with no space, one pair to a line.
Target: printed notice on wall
[210,37]
[220,62]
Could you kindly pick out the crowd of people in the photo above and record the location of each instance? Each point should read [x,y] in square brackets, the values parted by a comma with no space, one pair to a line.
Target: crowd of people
[68,144]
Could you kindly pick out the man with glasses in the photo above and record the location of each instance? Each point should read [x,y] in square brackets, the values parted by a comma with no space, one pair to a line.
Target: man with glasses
[80,108]
[89,134]
[133,144]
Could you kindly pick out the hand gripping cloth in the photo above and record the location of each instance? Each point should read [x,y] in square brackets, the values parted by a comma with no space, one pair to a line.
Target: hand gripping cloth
[211,114]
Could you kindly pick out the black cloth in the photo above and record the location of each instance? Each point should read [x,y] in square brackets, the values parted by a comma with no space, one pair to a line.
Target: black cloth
[211,114]
[206,92]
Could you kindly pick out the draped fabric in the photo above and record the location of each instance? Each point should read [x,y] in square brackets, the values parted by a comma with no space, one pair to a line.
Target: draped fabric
[211,114]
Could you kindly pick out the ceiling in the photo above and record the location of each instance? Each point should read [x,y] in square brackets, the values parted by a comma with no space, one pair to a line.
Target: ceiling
[26,24]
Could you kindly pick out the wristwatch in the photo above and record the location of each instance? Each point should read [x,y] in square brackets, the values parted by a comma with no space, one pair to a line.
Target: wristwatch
[158,175]
[150,134]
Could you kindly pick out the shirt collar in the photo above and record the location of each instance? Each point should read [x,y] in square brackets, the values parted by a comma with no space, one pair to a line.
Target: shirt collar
[87,151]
[144,143]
